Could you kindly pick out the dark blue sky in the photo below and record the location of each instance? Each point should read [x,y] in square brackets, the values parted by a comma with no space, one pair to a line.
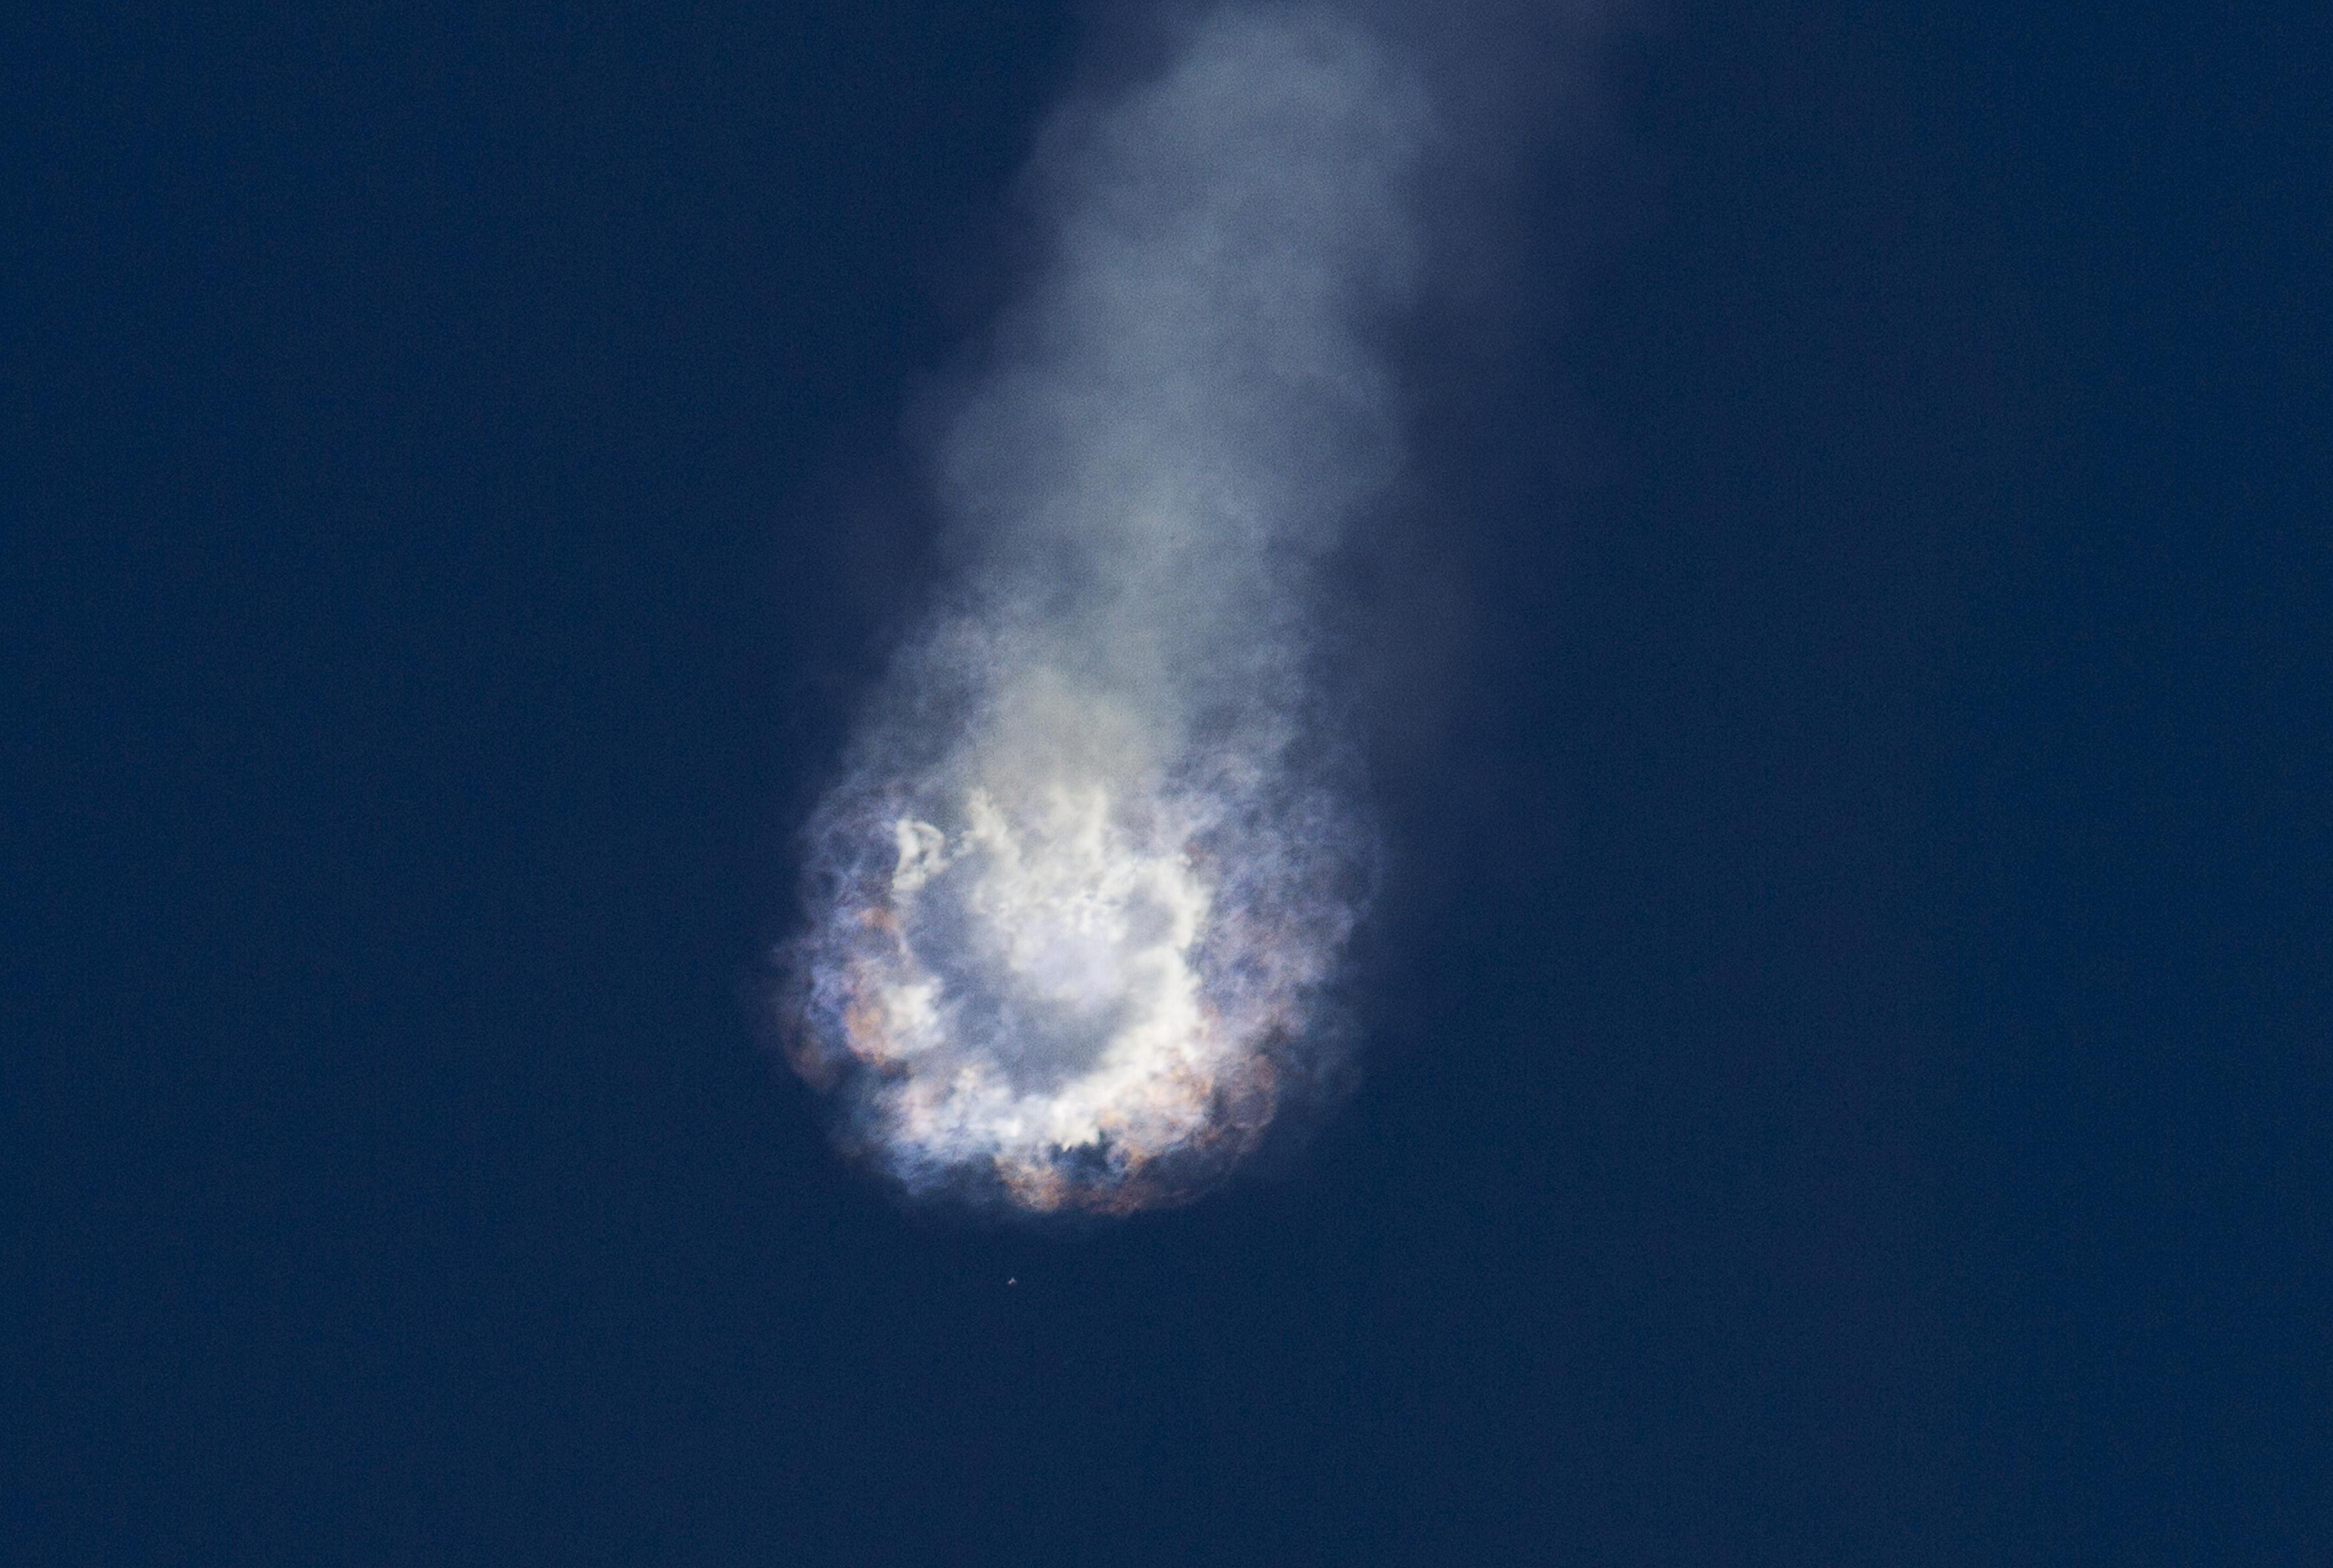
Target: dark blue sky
[1847,1030]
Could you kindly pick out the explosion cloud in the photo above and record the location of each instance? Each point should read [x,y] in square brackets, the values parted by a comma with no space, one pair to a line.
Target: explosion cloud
[1076,902]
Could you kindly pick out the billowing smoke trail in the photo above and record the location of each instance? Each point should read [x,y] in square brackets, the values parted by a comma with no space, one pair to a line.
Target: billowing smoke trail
[1076,903]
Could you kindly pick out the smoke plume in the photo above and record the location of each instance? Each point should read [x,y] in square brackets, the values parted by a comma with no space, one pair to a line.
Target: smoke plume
[1078,902]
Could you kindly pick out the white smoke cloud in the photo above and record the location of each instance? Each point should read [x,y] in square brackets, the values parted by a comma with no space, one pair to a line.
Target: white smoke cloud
[1075,906]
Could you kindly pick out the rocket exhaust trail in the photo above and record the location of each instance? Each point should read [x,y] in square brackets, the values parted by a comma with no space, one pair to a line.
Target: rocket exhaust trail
[1076,903]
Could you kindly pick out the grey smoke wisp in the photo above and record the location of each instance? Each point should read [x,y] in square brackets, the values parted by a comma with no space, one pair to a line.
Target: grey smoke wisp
[1076,903]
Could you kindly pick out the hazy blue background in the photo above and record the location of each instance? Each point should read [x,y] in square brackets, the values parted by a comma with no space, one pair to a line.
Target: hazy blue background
[1850,1074]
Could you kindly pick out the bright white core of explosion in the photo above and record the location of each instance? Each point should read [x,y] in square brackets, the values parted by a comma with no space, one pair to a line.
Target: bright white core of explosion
[1040,987]
[1061,975]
